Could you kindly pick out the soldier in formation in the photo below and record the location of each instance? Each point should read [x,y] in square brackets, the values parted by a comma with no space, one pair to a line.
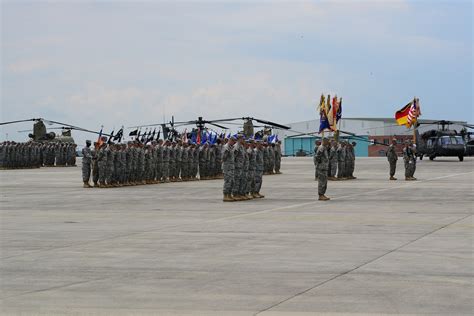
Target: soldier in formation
[134,163]
[243,163]
[409,158]
[32,154]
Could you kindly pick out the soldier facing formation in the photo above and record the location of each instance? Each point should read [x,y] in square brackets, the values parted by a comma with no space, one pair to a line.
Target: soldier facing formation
[32,154]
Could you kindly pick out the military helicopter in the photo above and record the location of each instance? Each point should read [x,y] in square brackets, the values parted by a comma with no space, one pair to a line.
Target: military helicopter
[40,133]
[169,129]
[441,142]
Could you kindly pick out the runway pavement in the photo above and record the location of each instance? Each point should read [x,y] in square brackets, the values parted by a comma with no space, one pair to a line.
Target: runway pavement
[379,246]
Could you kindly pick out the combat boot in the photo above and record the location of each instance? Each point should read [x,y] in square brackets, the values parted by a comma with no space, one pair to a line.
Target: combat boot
[322,197]
[237,197]
[96,185]
[413,178]
[393,178]
[261,196]
[249,196]
[228,198]
[86,185]
[255,195]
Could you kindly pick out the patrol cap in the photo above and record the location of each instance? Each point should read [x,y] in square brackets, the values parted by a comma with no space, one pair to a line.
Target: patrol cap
[88,142]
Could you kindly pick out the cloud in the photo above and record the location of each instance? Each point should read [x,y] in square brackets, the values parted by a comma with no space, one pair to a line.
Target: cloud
[28,66]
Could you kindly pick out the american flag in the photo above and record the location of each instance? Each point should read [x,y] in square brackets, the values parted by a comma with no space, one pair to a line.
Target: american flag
[414,112]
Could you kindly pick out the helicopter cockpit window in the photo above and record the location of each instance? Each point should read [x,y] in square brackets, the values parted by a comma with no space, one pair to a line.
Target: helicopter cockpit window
[457,140]
[430,142]
[445,140]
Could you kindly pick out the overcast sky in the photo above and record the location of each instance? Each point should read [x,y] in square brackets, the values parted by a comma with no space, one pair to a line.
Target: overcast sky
[124,63]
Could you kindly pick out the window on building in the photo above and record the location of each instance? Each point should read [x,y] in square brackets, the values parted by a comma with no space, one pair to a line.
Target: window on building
[381,153]
[386,141]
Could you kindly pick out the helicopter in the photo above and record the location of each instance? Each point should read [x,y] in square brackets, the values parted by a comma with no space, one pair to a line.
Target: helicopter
[170,132]
[443,142]
[40,133]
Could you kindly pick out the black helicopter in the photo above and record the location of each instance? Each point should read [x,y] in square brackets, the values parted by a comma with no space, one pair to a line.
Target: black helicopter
[443,142]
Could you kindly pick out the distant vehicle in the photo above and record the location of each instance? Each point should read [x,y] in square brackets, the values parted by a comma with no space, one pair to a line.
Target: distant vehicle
[442,142]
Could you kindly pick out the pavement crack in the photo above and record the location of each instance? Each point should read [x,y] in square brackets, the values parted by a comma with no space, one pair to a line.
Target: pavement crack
[360,266]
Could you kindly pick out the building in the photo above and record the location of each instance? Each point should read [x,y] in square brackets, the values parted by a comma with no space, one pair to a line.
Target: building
[371,135]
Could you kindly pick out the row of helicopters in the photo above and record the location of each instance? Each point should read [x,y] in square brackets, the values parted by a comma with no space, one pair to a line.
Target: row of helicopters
[437,142]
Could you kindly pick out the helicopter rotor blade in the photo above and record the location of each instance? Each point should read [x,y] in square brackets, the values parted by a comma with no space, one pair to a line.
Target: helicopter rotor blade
[272,123]
[19,121]
[220,126]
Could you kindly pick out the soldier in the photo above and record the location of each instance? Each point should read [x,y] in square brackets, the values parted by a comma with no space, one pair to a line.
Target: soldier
[410,161]
[341,161]
[128,164]
[102,163]
[95,165]
[316,145]
[159,160]
[228,163]
[238,166]
[278,157]
[166,161]
[392,158]
[259,168]
[141,164]
[322,158]
[203,161]
[185,162]
[271,150]
[245,174]
[333,160]
[196,149]
[252,156]
[86,164]
[219,158]
[350,164]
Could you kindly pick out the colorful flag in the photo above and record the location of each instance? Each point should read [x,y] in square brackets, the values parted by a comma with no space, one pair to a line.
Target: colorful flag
[99,139]
[339,111]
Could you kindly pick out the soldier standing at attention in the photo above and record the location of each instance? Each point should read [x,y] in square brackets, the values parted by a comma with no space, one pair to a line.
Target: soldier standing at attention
[316,145]
[228,168]
[392,158]
[333,160]
[252,167]
[238,166]
[259,168]
[410,160]
[278,157]
[341,161]
[86,164]
[102,162]
[322,158]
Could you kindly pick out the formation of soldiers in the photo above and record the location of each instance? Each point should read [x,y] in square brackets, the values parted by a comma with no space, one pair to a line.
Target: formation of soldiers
[32,154]
[333,161]
[244,164]
[341,157]
[134,163]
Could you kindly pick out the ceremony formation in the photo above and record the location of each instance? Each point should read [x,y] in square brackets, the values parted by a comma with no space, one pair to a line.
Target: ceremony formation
[236,158]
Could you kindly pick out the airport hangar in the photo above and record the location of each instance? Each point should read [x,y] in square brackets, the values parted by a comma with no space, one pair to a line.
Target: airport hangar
[381,130]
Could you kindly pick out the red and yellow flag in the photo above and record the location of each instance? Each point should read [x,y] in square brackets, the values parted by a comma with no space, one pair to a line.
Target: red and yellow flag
[408,115]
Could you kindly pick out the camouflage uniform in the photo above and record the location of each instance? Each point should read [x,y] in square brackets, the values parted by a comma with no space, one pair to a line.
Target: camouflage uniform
[86,164]
[228,168]
[322,158]
[392,158]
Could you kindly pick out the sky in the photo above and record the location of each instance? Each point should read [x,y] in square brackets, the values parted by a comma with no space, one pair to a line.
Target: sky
[111,63]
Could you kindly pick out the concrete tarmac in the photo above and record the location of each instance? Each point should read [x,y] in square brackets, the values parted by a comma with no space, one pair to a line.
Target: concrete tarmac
[378,247]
